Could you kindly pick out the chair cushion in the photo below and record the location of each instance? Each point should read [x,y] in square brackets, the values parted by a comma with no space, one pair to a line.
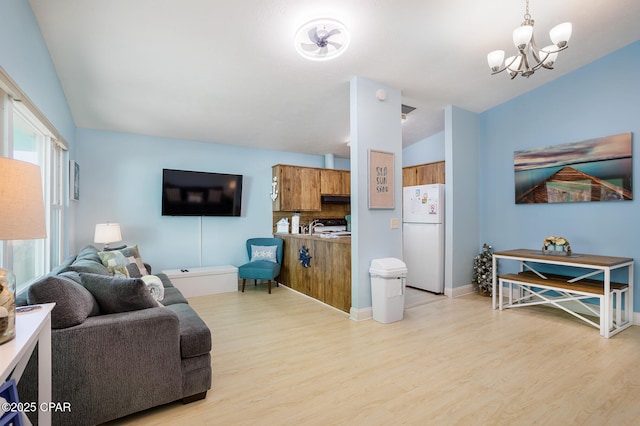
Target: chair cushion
[261,269]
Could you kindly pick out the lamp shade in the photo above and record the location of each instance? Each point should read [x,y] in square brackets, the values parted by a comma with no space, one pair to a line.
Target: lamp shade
[107,233]
[21,201]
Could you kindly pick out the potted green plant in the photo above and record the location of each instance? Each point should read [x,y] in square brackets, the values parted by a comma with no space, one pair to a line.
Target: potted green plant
[483,270]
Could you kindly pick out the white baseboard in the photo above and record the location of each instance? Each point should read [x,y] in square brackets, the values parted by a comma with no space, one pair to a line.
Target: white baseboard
[459,291]
[361,314]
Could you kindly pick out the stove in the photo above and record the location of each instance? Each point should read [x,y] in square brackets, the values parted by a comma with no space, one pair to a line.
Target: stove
[333,221]
[330,225]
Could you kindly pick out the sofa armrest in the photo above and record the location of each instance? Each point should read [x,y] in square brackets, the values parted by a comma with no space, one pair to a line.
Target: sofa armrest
[133,358]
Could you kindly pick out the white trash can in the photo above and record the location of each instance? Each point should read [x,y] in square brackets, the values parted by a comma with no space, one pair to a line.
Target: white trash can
[387,289]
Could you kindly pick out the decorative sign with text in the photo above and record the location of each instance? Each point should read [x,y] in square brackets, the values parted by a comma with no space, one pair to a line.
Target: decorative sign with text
[381,183]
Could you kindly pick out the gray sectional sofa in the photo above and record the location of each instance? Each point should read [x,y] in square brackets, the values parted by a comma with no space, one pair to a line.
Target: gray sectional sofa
[115,349]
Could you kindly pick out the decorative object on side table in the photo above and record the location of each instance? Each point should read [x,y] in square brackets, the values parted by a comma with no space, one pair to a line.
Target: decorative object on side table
[556,246]
[21,218]
[483,270]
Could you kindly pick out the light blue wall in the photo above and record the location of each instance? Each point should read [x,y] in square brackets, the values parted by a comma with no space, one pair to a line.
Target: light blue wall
[374,125]
[25,57]
[462,205]
[121,176]
[428,150]
[600,99]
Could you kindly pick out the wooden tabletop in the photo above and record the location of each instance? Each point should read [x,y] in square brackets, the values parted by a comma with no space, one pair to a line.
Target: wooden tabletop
[577,258]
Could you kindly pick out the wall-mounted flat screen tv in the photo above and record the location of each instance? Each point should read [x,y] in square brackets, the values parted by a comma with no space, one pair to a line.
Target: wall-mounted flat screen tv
[191,193]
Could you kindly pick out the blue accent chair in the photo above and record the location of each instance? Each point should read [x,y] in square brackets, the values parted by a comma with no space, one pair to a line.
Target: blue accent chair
[262,269]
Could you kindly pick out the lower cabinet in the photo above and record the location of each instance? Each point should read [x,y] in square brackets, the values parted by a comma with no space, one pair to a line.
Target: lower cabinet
[328,278]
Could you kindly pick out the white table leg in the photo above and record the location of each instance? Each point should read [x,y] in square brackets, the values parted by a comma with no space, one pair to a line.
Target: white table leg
[604,310]
[494,278]
[44,373]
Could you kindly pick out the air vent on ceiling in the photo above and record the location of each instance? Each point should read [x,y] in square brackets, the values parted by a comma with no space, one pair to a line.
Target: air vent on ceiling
[406,109]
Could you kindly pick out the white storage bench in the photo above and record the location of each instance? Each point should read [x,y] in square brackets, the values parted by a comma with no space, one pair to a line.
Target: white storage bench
[203,281]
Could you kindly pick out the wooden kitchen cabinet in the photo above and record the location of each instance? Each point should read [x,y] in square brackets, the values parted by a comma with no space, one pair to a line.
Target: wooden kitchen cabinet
[298,188]
[335,182]
[424,174]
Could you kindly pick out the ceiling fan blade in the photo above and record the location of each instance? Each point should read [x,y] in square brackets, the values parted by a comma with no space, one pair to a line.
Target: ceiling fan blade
[335,44]
[330,33]
[308,47]
[323,51]
[313,35]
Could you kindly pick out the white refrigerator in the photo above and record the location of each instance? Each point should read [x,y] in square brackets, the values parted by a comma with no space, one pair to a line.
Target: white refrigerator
[423,236]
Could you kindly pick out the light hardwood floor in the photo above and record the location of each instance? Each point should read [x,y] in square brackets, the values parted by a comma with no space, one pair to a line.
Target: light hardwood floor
[283,359]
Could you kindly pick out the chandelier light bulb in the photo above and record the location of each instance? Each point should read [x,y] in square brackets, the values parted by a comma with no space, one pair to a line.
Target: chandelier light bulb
[560,34]
[513,63]
[522,36]
[548,55]
[495,59]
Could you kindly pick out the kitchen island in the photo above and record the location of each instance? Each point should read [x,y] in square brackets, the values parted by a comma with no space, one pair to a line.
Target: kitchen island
[328,277]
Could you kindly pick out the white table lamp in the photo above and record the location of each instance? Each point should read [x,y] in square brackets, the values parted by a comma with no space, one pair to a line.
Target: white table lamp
[21,218]
[107,233]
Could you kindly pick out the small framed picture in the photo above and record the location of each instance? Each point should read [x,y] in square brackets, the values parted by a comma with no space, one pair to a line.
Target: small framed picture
[74,180]
[381,180]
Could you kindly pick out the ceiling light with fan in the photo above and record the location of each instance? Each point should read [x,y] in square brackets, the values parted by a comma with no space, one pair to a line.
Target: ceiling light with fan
[322,39]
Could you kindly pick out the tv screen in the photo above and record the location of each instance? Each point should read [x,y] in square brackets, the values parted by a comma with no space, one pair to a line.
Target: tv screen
[191,193]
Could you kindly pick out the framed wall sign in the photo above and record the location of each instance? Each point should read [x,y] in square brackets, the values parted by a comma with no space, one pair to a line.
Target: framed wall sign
[74,181]
[381,180]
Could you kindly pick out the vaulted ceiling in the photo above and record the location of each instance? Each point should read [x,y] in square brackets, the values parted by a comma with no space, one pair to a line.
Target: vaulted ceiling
[228,72]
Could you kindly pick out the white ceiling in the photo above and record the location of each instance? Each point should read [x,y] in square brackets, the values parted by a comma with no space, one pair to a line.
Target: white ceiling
[227,71]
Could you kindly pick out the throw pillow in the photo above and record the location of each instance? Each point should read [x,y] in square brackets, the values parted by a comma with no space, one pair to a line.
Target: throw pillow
[74,303]
[118,294]
[264,253]
[126,262]
[75,277]
[155,286]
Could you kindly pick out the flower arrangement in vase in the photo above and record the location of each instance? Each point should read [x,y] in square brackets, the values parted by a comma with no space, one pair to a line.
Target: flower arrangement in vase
[556,245]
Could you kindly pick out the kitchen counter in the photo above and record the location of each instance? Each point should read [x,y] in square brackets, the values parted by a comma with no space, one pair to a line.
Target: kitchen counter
[328,277]
[340,239]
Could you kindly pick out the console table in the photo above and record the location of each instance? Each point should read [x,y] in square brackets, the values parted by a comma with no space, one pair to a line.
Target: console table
[587,265]
[31,328]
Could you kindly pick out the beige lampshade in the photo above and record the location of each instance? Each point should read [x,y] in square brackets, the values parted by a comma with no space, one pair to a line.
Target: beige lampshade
[107,233]
[21,201]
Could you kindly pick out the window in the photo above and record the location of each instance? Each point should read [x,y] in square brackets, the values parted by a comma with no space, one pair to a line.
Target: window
[28,139]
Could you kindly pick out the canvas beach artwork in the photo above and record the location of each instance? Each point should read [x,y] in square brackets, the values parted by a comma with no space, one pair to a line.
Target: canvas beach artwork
[591,170]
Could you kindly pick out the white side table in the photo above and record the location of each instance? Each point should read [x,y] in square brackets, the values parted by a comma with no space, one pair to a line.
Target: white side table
[31,328]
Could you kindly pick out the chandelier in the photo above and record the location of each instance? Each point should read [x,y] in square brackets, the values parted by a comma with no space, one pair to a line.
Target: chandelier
[529,57]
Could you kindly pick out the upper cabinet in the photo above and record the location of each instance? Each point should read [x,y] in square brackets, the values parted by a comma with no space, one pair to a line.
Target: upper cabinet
[335,182]
[298,188]
[423,174]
